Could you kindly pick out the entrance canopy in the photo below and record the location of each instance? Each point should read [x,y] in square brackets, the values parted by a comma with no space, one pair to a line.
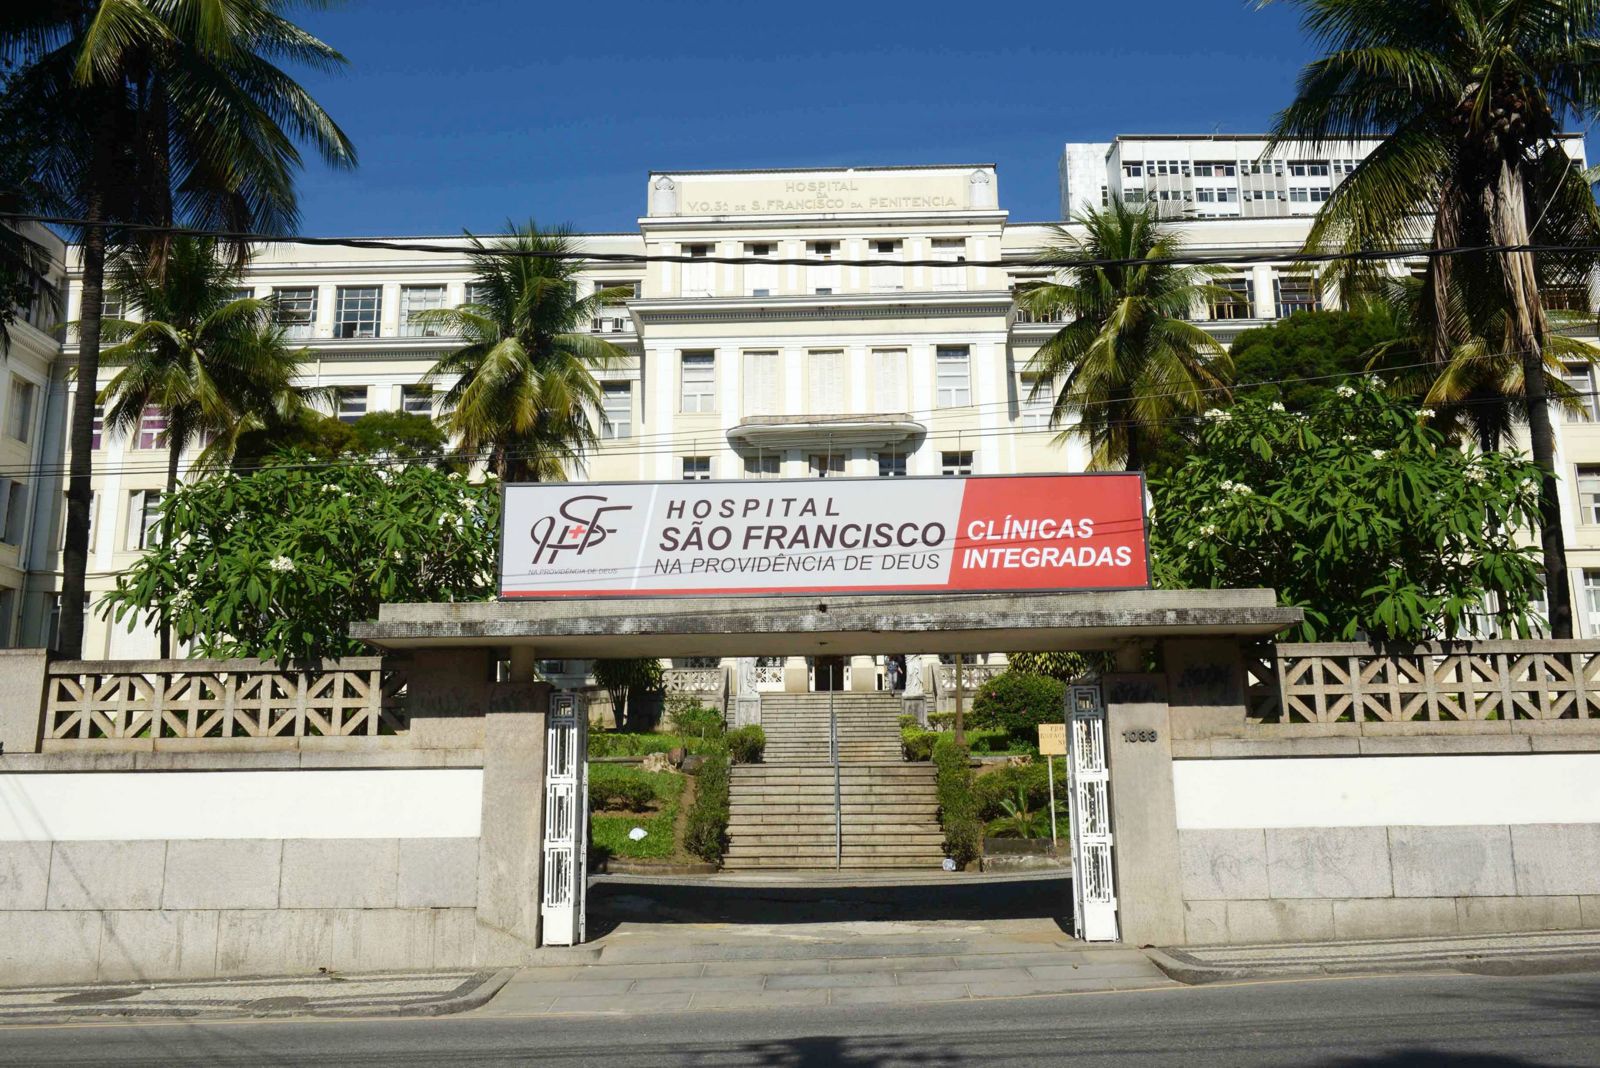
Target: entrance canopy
[822,624]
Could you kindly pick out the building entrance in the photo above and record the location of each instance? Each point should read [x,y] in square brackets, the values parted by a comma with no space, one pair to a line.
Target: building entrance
[827,673]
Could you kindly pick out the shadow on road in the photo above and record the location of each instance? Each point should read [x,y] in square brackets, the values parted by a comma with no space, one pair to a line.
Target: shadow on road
[611,903]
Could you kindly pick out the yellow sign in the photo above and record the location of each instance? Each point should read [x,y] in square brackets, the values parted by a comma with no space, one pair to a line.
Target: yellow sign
[1052,739]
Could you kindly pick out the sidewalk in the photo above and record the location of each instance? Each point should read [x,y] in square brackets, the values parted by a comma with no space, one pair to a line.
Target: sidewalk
[1535,953]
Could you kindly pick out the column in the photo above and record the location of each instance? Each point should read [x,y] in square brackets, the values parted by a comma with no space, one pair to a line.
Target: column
[796,675]
[863,673]
[1144,817]
[512,836]
[1266,305]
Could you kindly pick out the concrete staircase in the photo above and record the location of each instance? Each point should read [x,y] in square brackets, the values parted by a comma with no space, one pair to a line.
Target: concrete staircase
[782,810]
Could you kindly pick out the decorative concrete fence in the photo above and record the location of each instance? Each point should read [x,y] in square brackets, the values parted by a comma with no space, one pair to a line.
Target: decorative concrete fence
[175,819]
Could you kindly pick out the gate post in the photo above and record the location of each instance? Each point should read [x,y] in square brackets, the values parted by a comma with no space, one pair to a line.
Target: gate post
[1143,810]
[566,821]
[512,820]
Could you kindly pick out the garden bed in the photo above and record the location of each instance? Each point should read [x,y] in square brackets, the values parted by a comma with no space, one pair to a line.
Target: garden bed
[622,798]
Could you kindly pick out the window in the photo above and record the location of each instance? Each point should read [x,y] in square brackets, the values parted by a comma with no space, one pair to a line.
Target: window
[1565,298]
[822,278]
[891,465]
[1591,599]
[152,428]
[144,514]
[477,293]
[356,311]
[951,250]
[763,466]
[762,385]
[616,404]
[630,286]
[760,279]
[97,429]
[295,310]
[699,381]
[1215,169]
[1033,410]
[19,419]
[15,508]
[697,277]
[1345,166]
[414,299]
[417,400]
[111,304]
[827,464]
[1232,298]
[955,463]
[1308,194]
[612,317]
[1133,170]
[1307,169]
[889,380]
[697,468]
[94,512]
[825,381]
[886,277]
[952,379]
[1578,377]
[1296,294]
[1589,495]
[1133,196]
[350,403]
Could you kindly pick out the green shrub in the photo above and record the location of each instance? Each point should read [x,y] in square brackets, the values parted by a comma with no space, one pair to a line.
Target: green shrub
[918,743]
[1021,820]
[691,719]
[957,810]
[993,788]
[626,744]
[609,834]
[746,744]
[706,832]
[1017,703]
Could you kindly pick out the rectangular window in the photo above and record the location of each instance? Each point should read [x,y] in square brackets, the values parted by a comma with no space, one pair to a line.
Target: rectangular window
[955,463]
[617,407]
[886,277]
[1589,495]
[111,304]
[97,429]
[144,513]
[612,317]
[16,514]
[827,464]
[1133,196]
[350,403]
[477,293]
[699,381]
[950,250]
[697,468]
[1306,169]
[763,466]
[1591,598]
[1231,299]
[19,420]
[760,279]
[825,382]
[822,278]
[952,377]
[1579,378]
[414,299]
[697,277]
[295,310]
[152,428]
[1296,294]
[889,380]
[1133,170]
[1034,408]
[763,389]
[356,311]
[417,400]
[891,465]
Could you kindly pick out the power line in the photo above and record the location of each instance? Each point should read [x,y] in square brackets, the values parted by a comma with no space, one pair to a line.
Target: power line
[1053,261]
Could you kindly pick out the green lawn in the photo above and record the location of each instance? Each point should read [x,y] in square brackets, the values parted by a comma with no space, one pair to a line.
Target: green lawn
[609,832]
[629,743]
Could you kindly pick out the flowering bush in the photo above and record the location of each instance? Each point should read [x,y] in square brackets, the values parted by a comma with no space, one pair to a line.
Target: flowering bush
[1356,511]
[277,563]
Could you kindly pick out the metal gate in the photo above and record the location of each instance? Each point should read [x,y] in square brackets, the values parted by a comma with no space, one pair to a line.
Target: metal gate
[1094,896]
[566,820]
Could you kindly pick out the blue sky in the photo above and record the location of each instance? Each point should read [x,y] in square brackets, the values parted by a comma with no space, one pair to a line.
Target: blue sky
[467,112]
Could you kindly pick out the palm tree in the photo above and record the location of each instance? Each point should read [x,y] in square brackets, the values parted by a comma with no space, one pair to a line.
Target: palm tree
[524,389]
[1468,98]
[161,109]
[205,357]
[1129,361]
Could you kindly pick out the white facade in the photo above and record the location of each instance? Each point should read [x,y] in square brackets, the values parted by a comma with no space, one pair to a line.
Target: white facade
[736,370]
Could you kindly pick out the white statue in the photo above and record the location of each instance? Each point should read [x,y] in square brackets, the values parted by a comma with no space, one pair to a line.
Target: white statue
[914,675]
[747,676]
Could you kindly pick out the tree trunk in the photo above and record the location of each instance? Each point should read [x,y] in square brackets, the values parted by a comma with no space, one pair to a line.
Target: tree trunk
[1508,221]
[174,446]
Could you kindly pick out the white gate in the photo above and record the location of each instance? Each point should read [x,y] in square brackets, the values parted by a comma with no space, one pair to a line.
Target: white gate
[1094,895]
[566,820]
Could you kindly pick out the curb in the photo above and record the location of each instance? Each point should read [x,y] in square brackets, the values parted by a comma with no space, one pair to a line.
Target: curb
[1192,971]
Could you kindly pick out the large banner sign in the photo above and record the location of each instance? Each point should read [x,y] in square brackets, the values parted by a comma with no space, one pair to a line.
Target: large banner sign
[1025,532]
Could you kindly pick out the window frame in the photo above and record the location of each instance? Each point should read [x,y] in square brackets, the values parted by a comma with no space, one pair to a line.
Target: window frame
[705,399]
[348,298]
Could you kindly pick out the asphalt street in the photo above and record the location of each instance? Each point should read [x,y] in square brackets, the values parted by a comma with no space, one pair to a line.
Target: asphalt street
[1458,1020]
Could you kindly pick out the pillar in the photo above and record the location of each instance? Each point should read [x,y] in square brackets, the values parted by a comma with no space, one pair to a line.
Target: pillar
[1205,687]
[512,834]
[863,673]
[796,675]
[22,685]
[1144,823]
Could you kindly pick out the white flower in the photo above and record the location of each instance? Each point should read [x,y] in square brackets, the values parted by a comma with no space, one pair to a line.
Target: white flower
[1208,530]
[455,475]
[1191,544]
[1346,391]
[1349,437]
[1378,454]
[329,487]
[1474,474]
[1241,488]
[1219,415]
[1227,485]
[1427,413]
[1276,406]
[281,564]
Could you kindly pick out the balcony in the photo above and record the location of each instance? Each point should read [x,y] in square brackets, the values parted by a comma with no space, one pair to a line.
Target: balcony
[839,431]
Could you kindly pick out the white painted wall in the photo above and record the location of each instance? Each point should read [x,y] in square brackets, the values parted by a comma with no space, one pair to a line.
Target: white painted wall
[1401,791]
[111,806]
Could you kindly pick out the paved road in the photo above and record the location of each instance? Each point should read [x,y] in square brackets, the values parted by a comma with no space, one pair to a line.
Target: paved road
[1434,1021]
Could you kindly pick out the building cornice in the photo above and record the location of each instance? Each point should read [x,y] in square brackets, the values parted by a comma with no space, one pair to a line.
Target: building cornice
[831,306]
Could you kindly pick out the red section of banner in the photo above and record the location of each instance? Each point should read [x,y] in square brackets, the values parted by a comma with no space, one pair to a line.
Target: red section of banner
[1051,533]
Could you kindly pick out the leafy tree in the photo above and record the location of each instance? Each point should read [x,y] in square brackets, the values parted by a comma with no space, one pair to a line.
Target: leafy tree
[524,392]
[158,111]
[1128,360]
[1468,98]
[1299,360]
[1063,667]
[403,437]
[24,262]
[1016,702]
[278,562]
[1356,511]
[622,678]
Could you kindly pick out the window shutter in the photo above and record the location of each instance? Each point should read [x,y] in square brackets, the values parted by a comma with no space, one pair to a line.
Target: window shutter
[890,389]
[827,382]
[761,390]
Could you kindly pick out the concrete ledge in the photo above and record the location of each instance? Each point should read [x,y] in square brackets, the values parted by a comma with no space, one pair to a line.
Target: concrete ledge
[1277,920]
[229,759]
